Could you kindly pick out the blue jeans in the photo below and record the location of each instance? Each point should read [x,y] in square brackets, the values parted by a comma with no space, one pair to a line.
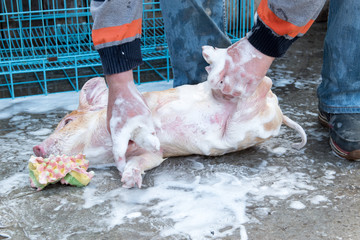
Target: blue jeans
[189,25]
[339,91]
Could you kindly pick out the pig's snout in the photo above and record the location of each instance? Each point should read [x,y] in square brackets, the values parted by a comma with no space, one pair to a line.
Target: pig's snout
[39,151]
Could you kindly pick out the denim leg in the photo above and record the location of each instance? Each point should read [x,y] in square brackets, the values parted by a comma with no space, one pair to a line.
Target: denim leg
[190,24]
[339,91]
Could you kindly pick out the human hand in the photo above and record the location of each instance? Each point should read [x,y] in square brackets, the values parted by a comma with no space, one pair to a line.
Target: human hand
[128,117]
[236,71]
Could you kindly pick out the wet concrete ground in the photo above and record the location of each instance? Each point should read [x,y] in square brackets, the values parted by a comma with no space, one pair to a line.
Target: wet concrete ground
[266,192]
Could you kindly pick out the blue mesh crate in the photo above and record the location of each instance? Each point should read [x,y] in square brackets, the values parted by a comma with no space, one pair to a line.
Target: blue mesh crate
[46,46]
[240,18]
[40,37]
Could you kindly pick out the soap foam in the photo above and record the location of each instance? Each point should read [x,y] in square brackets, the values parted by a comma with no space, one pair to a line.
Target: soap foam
[318,199]
[201,206]
[297,205]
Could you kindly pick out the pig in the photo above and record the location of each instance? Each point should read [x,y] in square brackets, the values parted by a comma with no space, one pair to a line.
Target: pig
[190,119]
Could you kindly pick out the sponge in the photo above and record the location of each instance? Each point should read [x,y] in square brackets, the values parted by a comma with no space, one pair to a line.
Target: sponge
[70,170]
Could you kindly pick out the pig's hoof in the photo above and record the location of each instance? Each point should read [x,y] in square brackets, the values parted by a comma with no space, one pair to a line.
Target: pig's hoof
[131,177]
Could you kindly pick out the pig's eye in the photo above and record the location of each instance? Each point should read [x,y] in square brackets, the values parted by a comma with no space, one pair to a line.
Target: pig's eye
[67,121]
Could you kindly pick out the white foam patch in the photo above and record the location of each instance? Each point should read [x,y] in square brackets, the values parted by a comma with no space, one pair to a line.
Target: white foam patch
[201,206]
[42,132]
[282,82]
[196,165]
[278,150]
[14,182]
[134,215]
[207,206]
[318,199]
[264,211]
[18,118]
[330,174]
[63,202]
[90,198]
[38,104]
[297,205]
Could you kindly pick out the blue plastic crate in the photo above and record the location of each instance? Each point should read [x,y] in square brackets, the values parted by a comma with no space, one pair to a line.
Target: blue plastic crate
[45,44]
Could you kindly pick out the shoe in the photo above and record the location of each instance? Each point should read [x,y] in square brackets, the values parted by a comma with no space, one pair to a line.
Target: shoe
[324,118]
[344,133]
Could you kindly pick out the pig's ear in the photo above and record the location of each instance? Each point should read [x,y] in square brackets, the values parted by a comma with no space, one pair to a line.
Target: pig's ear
[208,53]
[93,95]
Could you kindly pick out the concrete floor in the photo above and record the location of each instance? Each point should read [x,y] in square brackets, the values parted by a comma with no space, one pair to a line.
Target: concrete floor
[266,192]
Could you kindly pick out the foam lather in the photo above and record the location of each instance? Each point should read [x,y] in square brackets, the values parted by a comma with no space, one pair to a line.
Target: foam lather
[70,170]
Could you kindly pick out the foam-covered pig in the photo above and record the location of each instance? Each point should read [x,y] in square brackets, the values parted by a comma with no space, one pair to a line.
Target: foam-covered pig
[191,119]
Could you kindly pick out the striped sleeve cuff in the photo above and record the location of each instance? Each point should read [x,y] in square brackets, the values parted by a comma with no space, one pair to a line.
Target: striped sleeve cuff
[121,58]
[268,42]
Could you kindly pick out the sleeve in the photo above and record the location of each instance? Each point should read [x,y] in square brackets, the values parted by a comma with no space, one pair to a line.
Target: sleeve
[116,33]
[279,23]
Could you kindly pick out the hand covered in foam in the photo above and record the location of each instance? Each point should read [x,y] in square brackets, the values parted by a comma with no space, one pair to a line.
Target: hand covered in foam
[236,70]
[67,170]
[129,118]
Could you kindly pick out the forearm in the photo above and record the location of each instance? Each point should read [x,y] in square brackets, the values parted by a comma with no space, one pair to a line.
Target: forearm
[118,79]
[116,34]
[280,22]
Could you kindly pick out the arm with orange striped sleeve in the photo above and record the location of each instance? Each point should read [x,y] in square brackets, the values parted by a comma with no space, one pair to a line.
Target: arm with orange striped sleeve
[116,36]
[280,22]
[116,33]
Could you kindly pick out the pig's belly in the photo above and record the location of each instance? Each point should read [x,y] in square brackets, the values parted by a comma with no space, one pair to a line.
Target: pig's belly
[210,131]
[193,122]
[191,128]
[196,130]
[203,138]
[182,137]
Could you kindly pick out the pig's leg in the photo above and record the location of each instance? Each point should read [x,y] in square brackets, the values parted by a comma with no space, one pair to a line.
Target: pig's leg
[137,165]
